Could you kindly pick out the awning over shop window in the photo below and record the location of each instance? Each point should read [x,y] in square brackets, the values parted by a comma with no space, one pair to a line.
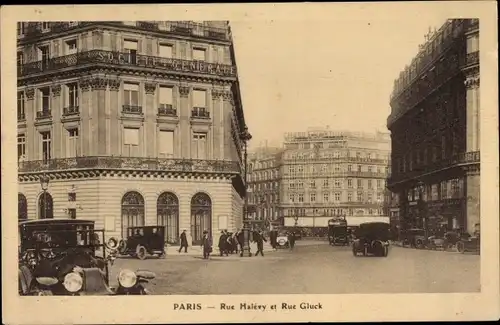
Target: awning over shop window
[357,220]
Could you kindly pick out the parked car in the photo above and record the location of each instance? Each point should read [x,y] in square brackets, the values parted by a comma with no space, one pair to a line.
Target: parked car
[415,237]
[337,232]
[282,240]
[371,238]
[142,241]
[470,243]
[70,257]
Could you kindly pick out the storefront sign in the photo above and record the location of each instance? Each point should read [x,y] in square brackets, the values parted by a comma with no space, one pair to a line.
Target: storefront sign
[167,63]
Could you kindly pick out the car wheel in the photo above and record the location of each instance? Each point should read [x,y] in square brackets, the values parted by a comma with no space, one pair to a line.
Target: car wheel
[386,251]
[461,247]
[141,252]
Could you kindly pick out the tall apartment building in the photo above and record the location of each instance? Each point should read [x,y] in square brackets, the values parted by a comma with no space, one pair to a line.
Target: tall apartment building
[135,123]
[264,186]
[435,131]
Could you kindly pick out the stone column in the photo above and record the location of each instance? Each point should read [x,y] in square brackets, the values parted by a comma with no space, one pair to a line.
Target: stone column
[86,116]
[59,137]
[114,113]
[150,112]
[31,136]
[472,113]
[227,112]
[218,124]
[99,86]
[184,112]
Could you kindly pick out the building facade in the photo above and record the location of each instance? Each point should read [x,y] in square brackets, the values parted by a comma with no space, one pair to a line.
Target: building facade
[435,131]
[135,123]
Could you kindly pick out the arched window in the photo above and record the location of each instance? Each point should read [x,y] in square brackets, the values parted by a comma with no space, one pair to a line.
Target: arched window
[22,207]
[45,206]
[132,211]
[167,209]
[201,216]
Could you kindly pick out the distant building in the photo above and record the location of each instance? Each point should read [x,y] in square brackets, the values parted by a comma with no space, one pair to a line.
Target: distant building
[435,131]
[135,123]
[320,174]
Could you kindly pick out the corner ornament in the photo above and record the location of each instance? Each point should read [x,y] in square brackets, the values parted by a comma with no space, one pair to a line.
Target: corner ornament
[184,91]
[150,88]
[472,82]
[85,84]
[56,90]
[114,84]
[99,83]
[30,93]
[216,94]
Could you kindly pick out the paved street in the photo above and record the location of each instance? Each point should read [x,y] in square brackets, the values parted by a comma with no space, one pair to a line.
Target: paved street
[314,267]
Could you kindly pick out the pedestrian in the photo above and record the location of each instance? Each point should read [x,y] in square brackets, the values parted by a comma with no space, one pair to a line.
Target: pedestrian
[184,242]
[223,243]
[241,241]
[273,236]
[206,243]
[259,239]
[291,239]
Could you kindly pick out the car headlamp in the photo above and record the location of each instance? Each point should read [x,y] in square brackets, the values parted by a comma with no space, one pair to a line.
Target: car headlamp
[127,278]
[73,282]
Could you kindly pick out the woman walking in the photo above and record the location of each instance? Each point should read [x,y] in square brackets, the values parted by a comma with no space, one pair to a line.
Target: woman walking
[206,243]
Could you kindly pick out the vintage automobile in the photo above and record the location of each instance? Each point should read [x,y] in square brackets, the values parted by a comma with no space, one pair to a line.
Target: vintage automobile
[282,240]
[470,243]
[70,257]
[337,232]
[371,238]
[143,240]
[415,237]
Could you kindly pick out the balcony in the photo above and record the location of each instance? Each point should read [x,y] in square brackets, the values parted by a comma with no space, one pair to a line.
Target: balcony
[200,113]
[472,59]
[461,159]
[167,110]
[123,60]
[44,114]
[71,111]
[131,163]
[132,109]
[365,174]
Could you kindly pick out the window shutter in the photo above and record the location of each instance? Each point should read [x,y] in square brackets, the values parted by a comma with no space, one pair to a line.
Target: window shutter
[199,98]
[166,144]
[165,95]
[131,45]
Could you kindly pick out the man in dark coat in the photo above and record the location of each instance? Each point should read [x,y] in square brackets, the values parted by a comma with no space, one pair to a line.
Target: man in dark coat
[206,243]
[273,236]
[259,239]
[184,242]
[291,239]
[240,237]
[223,243]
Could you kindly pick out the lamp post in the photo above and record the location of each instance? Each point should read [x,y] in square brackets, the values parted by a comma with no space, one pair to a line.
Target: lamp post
[44,183]
[296,218]
[246,136]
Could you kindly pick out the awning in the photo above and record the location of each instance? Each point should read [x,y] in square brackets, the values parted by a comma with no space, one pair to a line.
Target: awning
[357,220]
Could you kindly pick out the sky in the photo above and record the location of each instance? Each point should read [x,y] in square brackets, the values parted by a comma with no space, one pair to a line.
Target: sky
[296,74]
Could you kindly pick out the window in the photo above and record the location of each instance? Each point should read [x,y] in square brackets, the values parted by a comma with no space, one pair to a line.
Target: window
[370,197]
[21,114]
[165,51]
[72,100]
[199,103]
[131,142]
[166,96]
[21,146]
[349,197]
[72,144]
[312,184]
[45,99]
[46,146]
[336,154]
[379,183]
[369,169]
[166,144]
[45,25]
[349,168]
[44,56]
[338,183]
[131,50]
[71,47]
[199,54]
[198,146]
[337,167]
[370,184]
[312,197]
[337,196]
[131,95]
[360,183]
[300,169]
[359,168]
[360,197]
[301,197]
[20,28]
[325,183]
[379,197]
[292,197]
[349,183]
[326,197]
[324,169]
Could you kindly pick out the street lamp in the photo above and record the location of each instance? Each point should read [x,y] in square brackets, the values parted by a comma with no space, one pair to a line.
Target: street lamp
[44,183]
[245,136]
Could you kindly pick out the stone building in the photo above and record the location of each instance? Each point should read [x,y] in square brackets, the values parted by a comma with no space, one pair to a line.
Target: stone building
[135,123]
[435,131]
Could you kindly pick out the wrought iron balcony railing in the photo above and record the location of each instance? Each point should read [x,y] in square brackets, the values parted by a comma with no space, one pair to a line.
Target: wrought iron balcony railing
[130,163]
[71,110]
[120,59]
[167,110]
[46,113]
[365,174]
[132,109]
[200,112]
[472,58]
[464,158]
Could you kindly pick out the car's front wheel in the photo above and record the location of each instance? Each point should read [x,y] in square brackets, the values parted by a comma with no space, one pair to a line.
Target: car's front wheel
[461,247]
[141,252]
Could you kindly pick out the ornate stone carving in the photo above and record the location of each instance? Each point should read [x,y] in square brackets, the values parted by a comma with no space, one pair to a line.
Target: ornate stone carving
[184,91]
[472,82]
[30,93]
[227,95]
[56,90]
[216,93]
[85,84]
[99,83]
[150,87]
[114,84]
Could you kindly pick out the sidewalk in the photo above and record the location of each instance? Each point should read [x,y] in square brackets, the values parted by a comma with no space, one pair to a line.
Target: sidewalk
[198,250]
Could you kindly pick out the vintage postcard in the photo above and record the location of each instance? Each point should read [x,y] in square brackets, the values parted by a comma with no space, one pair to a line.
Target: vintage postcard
[250,163]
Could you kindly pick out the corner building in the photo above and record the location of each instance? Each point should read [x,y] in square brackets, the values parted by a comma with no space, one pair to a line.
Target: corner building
[435,131]
[135,123]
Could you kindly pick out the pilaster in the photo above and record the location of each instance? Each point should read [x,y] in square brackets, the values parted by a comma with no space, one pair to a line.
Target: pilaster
[58,136]
[31,139]
[184,112]
[218,124]
[99,87]
[86,114]
[226,116]
[114,111]
[472,113]
[150,111]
